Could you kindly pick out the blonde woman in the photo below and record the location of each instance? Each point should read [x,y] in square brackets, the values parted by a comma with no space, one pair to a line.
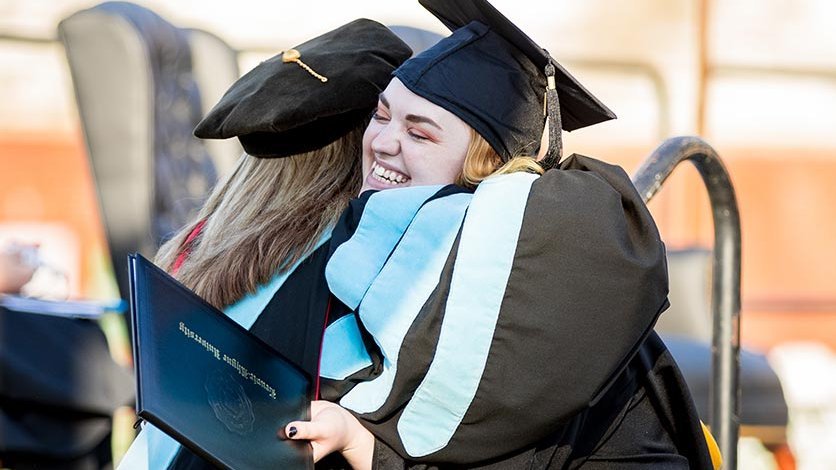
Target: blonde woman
[508,327]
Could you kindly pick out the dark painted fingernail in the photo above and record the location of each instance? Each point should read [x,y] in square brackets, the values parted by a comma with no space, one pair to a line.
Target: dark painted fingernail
[291,432]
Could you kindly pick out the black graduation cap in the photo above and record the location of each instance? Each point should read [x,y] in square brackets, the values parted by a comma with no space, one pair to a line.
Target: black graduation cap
[494,77]
[308,96]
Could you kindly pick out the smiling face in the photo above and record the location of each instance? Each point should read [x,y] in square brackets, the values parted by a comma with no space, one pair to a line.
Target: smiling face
[412,142]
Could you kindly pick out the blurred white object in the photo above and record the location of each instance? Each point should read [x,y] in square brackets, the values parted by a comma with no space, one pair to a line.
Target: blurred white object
[752,455]
[55,252]
[18,262]
[808,374]
[48,282]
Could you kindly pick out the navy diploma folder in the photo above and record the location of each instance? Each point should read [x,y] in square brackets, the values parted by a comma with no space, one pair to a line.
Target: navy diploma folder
[208,382]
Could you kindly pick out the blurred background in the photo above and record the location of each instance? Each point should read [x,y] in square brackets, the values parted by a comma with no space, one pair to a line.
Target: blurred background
[755,78]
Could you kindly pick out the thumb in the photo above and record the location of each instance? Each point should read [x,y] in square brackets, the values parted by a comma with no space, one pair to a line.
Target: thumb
[306,431]
[303,430]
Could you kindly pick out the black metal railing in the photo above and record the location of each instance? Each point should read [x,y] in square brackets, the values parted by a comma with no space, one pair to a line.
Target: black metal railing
[725,294]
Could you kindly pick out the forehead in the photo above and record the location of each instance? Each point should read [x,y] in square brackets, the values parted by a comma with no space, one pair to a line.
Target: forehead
[403,102]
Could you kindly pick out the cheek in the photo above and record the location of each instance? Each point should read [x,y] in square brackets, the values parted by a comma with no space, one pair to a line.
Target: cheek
[368,155]
[452,161]
[453,167]
[442,167]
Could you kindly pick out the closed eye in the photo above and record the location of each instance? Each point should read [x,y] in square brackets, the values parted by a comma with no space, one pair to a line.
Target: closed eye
[379,116]
[418,136]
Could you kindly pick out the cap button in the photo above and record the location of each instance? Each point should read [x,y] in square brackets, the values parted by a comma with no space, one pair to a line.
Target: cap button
[290,55]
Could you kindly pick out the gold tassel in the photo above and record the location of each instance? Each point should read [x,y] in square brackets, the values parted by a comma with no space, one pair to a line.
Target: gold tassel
[292,55]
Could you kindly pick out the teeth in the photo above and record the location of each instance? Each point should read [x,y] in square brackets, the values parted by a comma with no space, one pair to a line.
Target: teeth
[388,176]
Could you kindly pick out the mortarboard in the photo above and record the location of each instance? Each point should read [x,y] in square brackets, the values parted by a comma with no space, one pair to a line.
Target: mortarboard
[494,77]
[308,96]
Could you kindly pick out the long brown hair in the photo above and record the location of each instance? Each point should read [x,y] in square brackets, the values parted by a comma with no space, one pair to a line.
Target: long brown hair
[264,217]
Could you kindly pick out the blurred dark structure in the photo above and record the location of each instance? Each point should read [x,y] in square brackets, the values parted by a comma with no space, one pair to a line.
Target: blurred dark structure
[763,410]
[142,85]
[59,388]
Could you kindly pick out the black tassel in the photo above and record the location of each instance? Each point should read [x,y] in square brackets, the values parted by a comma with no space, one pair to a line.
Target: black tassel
[555,150]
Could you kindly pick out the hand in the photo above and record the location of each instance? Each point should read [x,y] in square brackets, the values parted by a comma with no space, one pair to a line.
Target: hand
[333,429]
[18,263]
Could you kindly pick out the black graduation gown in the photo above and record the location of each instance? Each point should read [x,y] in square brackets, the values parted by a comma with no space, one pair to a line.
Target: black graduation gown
[645,420]
[574,375]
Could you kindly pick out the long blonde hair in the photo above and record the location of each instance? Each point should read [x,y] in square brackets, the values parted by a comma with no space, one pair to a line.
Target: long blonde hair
[482,161]
[263,218]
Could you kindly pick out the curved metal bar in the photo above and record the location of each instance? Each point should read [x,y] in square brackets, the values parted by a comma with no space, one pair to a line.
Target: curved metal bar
[725,297]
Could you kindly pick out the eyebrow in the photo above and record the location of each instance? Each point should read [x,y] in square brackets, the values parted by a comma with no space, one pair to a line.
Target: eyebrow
[411,117]
[422,119]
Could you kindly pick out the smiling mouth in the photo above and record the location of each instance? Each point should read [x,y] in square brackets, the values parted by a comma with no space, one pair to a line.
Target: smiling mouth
[391,177]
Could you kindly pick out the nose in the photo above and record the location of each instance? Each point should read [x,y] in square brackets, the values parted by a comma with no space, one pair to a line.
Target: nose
[386,141]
